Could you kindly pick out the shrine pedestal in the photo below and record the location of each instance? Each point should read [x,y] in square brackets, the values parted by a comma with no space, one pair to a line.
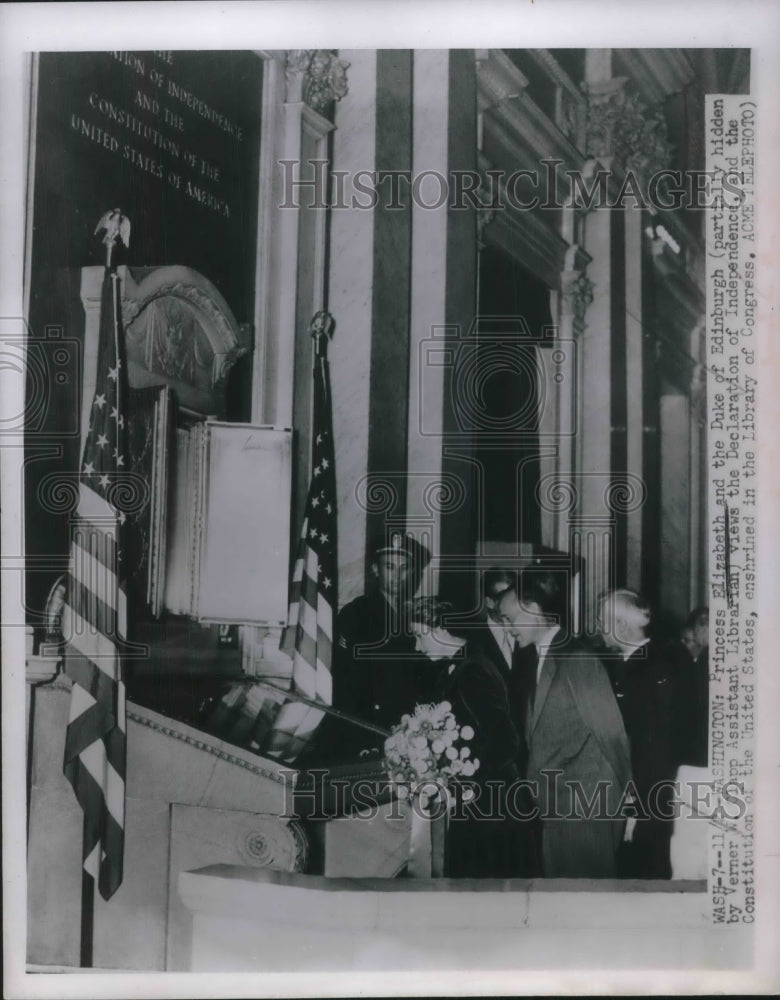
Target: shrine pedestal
[260,920]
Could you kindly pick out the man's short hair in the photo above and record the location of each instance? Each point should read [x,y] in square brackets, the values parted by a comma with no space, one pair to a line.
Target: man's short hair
[529,589]
[633,606]
[699,616]
[496,576]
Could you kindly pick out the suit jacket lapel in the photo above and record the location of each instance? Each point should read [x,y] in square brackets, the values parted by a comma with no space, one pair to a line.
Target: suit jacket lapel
[549,670]
[494,653]
[596,703]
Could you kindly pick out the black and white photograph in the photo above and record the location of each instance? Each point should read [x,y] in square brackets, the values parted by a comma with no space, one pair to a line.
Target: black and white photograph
[382,541]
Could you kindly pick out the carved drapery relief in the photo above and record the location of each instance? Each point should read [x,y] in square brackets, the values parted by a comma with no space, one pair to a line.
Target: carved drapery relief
[179,330]
[316,76]
[621,125]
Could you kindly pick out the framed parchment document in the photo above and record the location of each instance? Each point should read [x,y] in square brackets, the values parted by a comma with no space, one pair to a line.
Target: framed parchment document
[231,523]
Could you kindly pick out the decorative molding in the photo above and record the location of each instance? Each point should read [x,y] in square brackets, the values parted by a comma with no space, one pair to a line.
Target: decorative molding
[315,76]
[656,73]
[570,101]
[197,739]
[525,236]
[620,125]
[498,79]
[485,213]
[485,216]
[515,123]
[44,672]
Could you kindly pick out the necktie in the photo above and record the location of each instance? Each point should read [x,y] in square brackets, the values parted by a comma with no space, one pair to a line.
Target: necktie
[525,661]
[509,649]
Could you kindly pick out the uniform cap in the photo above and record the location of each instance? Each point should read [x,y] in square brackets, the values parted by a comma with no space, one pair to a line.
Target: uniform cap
[398,542]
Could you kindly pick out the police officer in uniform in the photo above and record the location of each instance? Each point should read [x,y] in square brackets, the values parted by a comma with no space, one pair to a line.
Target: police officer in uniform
[377,674]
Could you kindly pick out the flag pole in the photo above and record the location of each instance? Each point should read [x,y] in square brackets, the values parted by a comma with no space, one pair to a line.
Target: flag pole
[116,226]
[87,911]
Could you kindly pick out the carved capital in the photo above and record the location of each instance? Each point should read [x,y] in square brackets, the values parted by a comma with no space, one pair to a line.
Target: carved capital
[316,76]
[621,125]
[294,71]
[576,295]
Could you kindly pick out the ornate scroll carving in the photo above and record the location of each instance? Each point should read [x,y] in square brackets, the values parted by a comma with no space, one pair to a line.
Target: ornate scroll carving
[576,296]
[621,125]
[316,76]
[268,842]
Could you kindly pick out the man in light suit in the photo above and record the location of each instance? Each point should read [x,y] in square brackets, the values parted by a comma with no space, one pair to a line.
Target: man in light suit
[573,727]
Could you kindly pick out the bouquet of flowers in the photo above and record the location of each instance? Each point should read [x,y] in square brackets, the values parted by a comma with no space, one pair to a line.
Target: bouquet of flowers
[429,747]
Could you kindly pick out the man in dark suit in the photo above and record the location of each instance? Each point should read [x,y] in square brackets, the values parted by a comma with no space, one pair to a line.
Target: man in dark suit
[377,674]
[646,694]
[490,635]
[578,748]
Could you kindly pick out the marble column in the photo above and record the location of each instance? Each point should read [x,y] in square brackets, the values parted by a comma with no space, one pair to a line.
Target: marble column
[634,393]
[430,337]
[593,529]
[351,282]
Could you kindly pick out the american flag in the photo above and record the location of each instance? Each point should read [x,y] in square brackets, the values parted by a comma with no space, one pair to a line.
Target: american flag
[308,637]
[95,615]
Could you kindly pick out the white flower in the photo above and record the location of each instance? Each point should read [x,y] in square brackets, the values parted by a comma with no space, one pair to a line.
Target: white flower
[468,768]
[467,733]
[465,752]
[420,747]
